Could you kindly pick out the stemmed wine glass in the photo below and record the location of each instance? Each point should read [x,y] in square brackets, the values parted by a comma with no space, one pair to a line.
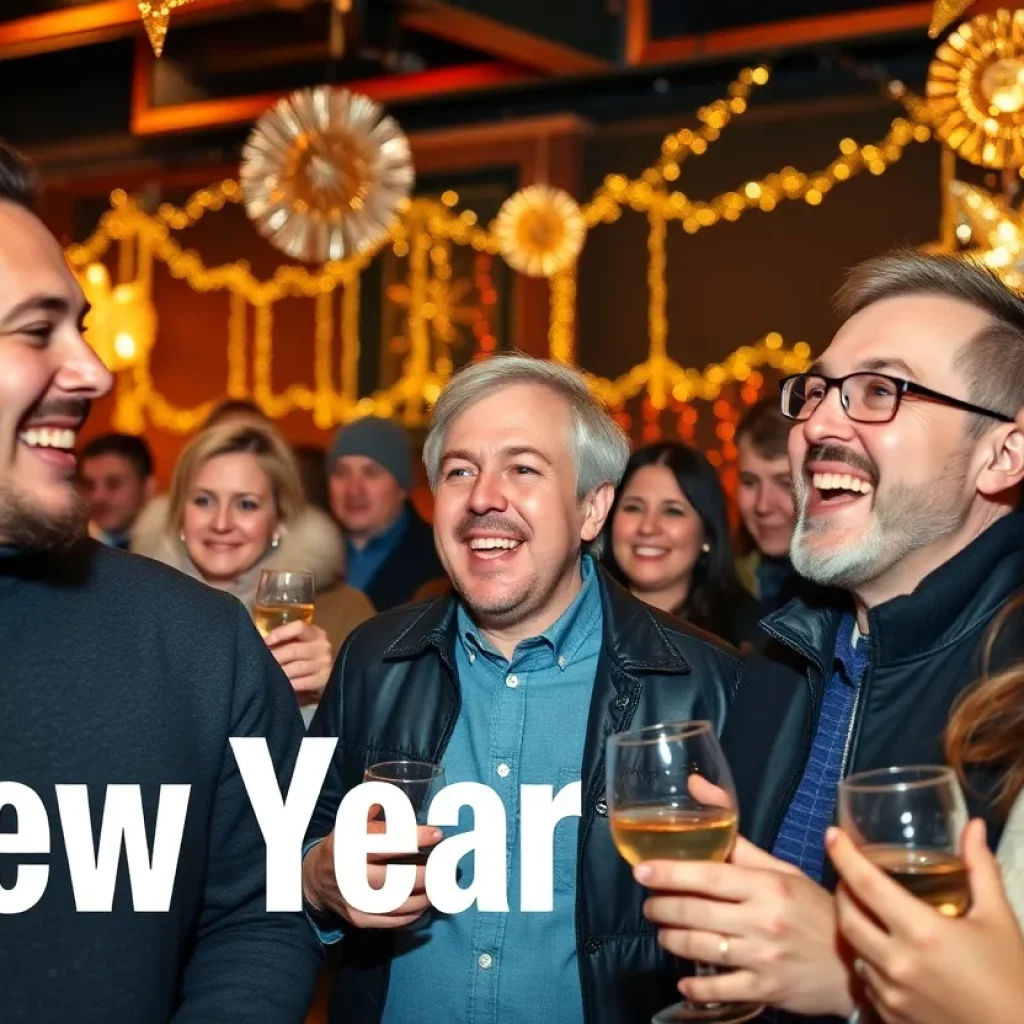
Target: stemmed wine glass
[670,796]
[909,821]
[282,597]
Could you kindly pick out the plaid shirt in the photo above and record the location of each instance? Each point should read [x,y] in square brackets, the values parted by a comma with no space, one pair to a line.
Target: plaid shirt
[801,839]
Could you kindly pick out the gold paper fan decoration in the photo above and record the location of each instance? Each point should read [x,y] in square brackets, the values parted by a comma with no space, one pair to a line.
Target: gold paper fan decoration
[325,174]
[985,220]
[156,16]
[976,90]
[540,230]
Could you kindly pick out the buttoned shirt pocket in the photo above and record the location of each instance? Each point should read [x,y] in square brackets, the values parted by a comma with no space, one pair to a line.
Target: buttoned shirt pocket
[566,836]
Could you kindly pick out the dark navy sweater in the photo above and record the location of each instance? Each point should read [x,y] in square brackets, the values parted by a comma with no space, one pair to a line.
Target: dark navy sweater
[114,669]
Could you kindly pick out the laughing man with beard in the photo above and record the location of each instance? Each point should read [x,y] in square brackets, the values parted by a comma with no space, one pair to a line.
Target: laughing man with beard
[907,466]
[117,670]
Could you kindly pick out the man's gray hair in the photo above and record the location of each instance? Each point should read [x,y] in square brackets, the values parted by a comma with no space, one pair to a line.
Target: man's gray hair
[599,445]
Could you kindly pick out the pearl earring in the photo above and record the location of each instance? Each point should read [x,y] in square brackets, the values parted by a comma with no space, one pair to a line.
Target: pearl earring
[181,536]
[276,541]
[706,548]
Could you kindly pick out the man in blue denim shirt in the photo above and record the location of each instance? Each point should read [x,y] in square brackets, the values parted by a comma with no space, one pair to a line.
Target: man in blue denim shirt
[515,680]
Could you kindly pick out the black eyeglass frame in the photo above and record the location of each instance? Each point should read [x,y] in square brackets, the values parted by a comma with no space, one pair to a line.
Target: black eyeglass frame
[902,387]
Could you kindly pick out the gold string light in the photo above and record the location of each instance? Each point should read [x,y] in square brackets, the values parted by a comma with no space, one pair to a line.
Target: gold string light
[430,227]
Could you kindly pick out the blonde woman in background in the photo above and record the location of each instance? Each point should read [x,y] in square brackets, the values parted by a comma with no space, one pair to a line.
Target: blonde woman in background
[235,508]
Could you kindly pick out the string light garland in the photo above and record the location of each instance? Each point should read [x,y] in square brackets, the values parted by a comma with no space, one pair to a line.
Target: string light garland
[424,235]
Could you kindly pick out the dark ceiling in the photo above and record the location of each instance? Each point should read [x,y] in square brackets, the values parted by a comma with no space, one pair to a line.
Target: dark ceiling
[89,90]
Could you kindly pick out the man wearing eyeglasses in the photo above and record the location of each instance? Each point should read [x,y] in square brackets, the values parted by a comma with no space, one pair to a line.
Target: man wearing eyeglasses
[907,467]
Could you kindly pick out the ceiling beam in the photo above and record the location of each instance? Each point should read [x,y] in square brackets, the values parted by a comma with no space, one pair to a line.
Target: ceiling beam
[87,24]
[147,119]
[479,32]
[770,37]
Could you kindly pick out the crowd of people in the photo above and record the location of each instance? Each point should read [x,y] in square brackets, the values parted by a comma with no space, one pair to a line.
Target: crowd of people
[566,588]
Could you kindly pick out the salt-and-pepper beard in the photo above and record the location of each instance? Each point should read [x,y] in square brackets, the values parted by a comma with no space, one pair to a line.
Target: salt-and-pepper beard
[26,526]
[905,518]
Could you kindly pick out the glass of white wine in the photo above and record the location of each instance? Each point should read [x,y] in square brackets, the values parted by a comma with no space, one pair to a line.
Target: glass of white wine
[282,597]
[909,821]
[670,796]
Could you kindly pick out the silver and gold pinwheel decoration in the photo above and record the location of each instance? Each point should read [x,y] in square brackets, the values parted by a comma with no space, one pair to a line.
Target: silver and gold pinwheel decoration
[325,174]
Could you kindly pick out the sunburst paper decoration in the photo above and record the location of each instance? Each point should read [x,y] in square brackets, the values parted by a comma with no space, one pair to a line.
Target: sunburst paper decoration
[996,230]
[325,174]
[976,90]
[156,16]
[540,230]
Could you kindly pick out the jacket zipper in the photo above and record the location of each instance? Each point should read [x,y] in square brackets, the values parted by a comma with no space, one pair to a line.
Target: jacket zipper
[794,780]
[853,725]
[857,701]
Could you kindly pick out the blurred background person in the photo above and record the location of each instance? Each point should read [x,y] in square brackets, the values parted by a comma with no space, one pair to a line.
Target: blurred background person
[235,508]
[764,497]
[309,458]
[391,552]
[116,477]
[667,540]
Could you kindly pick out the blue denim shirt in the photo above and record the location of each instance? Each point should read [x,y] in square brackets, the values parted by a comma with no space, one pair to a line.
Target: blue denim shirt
[522,722]
[362,563]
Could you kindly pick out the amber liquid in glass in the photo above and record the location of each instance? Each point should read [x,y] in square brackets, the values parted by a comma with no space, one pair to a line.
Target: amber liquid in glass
[269,616]
[671,833]
[937,878]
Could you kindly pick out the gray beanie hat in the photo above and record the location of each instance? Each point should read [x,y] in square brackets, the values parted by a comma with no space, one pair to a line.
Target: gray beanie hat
[379,439]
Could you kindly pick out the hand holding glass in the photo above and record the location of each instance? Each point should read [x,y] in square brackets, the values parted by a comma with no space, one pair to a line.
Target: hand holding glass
[909,822]
[421,781]
[282,597]
[670,796]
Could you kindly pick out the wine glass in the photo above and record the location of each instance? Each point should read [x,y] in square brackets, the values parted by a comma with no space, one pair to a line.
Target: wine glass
[282,597]
[909,821]
[670,796]
[419,780]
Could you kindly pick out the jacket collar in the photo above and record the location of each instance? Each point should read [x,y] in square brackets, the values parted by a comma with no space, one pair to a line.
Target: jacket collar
[633,638]
[955,599]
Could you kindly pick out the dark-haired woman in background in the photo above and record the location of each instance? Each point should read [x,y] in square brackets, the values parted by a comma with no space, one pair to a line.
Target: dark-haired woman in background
[667,540]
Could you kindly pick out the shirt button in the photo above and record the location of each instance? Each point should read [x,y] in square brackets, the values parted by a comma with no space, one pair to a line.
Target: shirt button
[622,702]
[601,807]
[563,661]
[511,682]
[472,657]
[503,770]
[593,945]
[484,960]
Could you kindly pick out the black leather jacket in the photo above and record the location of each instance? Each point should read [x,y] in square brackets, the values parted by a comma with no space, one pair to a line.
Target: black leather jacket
[926,650]
[394,692]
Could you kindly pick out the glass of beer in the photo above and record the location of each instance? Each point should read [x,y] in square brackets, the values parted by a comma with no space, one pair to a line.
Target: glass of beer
[670,796]
[910,822]
[419,780]
[282,597]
